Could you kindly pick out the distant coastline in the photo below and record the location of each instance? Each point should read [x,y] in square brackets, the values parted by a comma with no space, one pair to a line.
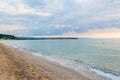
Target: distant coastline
[12,37]
[44,38]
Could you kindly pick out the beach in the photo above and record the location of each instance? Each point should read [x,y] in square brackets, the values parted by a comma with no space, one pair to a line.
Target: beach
[20,65]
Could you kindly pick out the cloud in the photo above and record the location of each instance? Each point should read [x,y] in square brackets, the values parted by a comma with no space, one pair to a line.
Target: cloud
[10,28]
[17,7]
[97,33]
[54,6]
[109,16]
[58,26]
[81,1]
[57,17]
[102,10]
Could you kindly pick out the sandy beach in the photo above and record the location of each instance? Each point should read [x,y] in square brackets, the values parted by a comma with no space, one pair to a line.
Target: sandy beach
[19,65]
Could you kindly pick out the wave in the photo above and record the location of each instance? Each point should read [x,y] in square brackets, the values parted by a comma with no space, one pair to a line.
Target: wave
[107,75]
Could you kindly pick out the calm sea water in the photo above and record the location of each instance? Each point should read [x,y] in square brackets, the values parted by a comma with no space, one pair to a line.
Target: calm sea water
[101,54]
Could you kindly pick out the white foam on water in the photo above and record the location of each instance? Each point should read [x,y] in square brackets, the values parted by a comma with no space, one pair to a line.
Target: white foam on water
[36,54]
[107,75]
[81,68]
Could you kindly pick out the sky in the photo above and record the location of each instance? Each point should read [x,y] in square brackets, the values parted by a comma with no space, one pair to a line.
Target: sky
[75,18]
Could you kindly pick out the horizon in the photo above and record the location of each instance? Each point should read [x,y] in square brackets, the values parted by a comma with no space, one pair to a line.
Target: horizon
[85,19]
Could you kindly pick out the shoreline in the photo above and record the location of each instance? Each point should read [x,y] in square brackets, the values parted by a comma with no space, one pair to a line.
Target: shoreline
[60,73]
[51,70]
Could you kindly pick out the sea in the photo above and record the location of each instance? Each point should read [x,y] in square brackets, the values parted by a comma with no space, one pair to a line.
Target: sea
[101,56]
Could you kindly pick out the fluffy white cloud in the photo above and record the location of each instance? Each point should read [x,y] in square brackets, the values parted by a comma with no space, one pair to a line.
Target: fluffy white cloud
[81,1]
[10,28]
[18,7]
[62,26]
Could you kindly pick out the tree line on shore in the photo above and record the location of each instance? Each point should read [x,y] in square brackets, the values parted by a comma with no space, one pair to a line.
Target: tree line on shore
[6,36]
[9,37]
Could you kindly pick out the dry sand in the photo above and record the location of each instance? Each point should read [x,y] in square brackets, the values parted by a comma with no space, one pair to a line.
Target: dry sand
[20,65]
